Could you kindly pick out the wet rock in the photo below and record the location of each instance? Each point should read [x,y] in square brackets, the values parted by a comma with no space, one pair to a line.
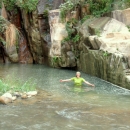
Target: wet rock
[24,96]
[5,100]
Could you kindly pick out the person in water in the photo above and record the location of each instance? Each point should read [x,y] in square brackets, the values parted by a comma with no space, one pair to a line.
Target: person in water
[78,80]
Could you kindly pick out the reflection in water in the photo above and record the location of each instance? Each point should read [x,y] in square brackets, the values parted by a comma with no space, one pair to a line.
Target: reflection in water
[61,106]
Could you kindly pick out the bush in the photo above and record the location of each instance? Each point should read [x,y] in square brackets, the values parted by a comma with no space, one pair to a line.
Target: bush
[27,5]
[100,7]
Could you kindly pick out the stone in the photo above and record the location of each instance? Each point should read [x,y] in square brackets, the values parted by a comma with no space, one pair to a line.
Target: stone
[97,25]
[24,96]
[12,52]
[32,93]
[57,31]
[109,67]
[122,16]
[8,95]
[5,100]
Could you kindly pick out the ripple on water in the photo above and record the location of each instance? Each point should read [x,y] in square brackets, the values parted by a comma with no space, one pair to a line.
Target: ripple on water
[59,107]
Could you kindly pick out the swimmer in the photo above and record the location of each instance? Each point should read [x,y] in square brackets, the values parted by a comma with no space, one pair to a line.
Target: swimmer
[78,80]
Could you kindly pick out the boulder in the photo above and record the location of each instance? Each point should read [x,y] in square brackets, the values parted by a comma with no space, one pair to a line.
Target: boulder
[122,16]
[24,96]
[31,93]
[5,100]
[112,67]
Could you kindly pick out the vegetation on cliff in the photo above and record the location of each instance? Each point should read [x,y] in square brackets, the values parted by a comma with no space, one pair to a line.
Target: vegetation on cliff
[27,5]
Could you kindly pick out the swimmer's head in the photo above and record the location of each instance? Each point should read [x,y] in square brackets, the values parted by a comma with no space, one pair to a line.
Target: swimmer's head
[78,74]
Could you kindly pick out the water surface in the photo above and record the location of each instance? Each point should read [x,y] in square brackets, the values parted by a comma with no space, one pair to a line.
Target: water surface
[61,107]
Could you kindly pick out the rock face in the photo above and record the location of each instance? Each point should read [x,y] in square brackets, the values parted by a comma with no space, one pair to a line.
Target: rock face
[59,56]
[24,53]
[122,16]
[111,67]
[38,30]
[106,53]
[103,51]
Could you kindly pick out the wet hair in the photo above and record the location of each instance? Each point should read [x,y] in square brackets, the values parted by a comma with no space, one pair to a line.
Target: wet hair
[78,73]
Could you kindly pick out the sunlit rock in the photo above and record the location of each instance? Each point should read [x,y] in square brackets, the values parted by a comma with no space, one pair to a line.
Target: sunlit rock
[7,95]
[32,93]
[57,31]
[122,16]
[5,100]
[105,50]
[24,96]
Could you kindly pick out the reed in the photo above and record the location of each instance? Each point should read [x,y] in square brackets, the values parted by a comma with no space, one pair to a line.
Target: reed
[12,84]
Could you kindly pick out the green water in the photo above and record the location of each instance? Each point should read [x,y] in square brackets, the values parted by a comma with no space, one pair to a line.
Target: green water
[105,108]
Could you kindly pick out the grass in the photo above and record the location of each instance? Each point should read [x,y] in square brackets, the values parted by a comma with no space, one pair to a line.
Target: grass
[11,84]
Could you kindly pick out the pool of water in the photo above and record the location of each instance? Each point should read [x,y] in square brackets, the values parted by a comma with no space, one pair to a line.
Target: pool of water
[62,107]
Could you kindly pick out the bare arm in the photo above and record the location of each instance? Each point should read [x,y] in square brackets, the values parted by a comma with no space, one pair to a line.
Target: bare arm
[89,83]
[66,80]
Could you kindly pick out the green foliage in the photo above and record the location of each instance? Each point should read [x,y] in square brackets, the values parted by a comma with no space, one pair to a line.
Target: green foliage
[66,39]
[100,7]
[10,4]
[85,18]
[72,38]
[105,54]
[2,24]
[65,8]
[128,28]
[12,84]
[76,38]
[27,5]
[127,1]
[0,4]
[46,13]
[4,87]
[98,32]
[55,60]
[3,41]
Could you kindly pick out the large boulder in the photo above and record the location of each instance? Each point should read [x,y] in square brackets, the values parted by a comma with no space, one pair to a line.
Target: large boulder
[122,16]
[7,98]
[105,50]
[112,67]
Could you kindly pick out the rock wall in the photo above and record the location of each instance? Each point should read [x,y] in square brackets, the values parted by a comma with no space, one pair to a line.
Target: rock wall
[111,67]
[38,30]
[105,50]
